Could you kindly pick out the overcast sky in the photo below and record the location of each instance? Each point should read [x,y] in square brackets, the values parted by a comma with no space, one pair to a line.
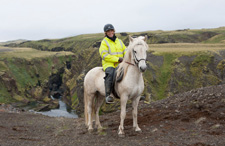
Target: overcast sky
[41,19]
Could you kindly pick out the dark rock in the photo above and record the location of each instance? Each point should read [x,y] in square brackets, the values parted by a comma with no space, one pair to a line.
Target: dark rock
[123,34]
[68,64]
[58,49]
[97,44]
[43,108]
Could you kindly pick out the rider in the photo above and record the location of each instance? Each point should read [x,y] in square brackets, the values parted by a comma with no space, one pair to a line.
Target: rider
[112,51]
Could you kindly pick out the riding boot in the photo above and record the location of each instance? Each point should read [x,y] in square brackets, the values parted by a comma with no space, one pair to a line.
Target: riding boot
[108,84]
[108,87]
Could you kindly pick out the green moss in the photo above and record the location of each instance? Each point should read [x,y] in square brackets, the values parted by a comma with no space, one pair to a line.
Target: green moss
[5,96]
[20,73]
[164,75]
[221,65]
[18,98]
[203,59]
[3,66]
[46,99]
[38,92]
[42,69]
[50,64]
[200,63]
[199,70]
[62,59]
[74,100]
[216,39]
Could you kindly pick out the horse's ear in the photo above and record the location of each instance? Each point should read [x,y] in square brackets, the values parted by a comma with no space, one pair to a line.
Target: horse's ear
[131,39]
[146,38]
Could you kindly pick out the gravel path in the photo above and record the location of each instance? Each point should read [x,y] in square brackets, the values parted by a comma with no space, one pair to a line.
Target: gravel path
[194,118]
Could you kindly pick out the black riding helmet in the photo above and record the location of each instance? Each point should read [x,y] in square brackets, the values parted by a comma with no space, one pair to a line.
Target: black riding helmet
[108,27]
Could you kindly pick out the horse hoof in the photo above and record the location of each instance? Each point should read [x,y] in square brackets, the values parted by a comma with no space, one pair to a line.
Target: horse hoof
[121,135]
[90,130]
[139,131]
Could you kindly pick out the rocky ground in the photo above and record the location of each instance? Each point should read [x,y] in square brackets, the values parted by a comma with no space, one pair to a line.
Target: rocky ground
[194,118]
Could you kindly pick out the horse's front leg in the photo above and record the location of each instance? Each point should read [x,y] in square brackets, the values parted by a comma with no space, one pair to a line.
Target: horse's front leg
[123,104]
[134,112]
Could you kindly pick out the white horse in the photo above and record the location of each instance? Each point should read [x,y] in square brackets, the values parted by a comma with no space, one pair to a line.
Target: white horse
[130,87]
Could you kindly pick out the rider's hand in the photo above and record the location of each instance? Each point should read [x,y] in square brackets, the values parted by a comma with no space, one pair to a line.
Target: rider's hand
[120,59]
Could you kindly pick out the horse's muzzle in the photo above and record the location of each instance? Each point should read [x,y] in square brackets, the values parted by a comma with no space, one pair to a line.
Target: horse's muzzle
[143,68]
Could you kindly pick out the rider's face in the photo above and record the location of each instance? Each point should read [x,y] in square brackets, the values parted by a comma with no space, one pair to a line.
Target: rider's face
[110,33]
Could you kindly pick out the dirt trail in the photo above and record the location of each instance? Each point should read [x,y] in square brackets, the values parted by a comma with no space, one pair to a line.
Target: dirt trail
[194,118]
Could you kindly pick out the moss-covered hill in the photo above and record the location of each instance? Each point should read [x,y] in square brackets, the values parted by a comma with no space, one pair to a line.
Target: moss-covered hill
[178,61]
[85,41]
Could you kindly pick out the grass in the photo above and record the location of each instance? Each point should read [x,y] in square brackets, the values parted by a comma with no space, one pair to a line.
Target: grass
[3,67]
[216,39]
[84,41]
[5,96]
[21,74]
[29,53]
[185,47]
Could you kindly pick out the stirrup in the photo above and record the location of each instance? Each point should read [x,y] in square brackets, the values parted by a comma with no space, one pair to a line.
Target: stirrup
[109,100]
[142,98]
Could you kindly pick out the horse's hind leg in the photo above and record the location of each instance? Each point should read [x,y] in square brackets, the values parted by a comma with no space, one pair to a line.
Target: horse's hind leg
[134,112]
[89,111]
[99,102]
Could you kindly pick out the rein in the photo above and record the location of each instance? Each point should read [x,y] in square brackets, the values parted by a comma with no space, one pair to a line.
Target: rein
[129,63]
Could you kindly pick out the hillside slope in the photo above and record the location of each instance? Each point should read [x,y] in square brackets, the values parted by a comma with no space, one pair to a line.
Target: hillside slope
[85,41]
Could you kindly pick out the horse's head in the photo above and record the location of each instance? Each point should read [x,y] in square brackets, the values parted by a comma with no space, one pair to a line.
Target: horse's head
[139,50]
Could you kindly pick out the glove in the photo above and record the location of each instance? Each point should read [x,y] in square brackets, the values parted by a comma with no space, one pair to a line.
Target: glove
[120,59]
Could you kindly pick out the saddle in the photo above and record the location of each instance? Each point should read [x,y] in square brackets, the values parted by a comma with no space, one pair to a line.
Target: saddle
[115,79]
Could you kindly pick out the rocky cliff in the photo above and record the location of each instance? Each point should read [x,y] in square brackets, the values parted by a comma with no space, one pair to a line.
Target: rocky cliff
[32,81]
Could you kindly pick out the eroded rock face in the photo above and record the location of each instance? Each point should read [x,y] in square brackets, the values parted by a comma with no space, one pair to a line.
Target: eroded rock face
[9,82]
[166,75]
[28,81]
[189,74]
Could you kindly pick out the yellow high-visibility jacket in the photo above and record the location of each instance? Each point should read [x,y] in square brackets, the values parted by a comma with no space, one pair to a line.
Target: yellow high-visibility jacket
[111,51]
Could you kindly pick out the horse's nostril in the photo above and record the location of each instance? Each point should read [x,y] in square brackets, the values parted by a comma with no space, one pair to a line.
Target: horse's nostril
[142,69]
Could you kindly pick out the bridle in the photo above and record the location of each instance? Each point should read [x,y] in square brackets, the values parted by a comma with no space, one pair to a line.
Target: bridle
[136,60]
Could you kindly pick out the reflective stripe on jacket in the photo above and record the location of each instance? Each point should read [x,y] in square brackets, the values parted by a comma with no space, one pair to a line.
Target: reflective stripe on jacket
[111,51]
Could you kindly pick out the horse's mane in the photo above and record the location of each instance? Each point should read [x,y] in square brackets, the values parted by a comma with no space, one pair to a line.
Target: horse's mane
[123,66]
